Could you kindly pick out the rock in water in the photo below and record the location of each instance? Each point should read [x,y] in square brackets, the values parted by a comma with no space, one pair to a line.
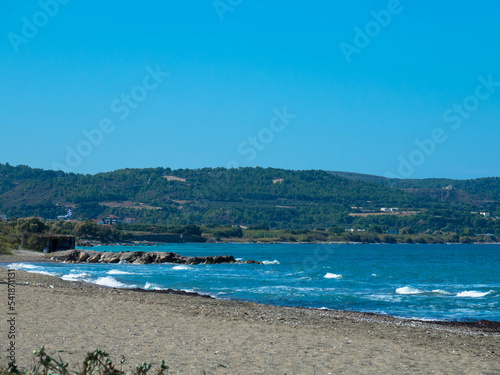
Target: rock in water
[141,257]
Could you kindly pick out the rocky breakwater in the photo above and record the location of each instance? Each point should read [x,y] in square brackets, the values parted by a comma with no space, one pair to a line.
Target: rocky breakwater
[141,257]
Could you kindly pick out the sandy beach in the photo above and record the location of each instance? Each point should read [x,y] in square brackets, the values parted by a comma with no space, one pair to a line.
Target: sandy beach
[194,334]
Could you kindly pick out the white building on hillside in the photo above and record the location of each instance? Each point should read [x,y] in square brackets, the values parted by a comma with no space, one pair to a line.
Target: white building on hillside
[392,209]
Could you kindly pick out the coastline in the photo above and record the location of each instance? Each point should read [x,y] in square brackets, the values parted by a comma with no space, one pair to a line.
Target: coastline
[239,241]
[233,337]
[482,326]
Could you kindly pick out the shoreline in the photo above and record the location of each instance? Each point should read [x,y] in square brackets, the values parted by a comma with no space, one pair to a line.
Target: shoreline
[195,334]
[481,326]
[149,243]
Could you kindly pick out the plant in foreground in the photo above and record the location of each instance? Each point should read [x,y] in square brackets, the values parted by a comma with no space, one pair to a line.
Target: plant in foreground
[94,363]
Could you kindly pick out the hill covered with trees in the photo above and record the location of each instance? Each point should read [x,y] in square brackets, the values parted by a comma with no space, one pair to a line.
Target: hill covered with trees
[480,192]
[252,197]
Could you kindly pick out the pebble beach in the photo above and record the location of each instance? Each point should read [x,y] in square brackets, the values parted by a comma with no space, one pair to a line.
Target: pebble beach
[195,334]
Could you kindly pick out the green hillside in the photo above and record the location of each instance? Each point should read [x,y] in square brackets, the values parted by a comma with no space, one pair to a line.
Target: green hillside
[246,197]
[481,192]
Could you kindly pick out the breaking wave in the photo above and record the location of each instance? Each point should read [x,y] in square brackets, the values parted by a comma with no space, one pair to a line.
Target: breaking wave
[118,272]
[270,262]
[110,281]
[182,267]
[408,290]
[473,294]
[18,266]
[76,276]
[332,276]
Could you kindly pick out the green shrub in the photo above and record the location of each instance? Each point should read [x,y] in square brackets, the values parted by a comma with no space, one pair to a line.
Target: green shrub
[5,249]
[408,240]
[229,232]
[94,363]
[420,239]
[387,238]
[35,242]
[466,239]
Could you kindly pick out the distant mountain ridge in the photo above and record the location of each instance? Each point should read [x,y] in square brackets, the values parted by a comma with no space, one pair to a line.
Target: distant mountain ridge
[474,191]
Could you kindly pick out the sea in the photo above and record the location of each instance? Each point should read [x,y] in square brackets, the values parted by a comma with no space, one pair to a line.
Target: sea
[426,282]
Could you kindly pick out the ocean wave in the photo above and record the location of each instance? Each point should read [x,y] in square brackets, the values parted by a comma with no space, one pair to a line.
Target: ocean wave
[332,276]
[408,290]
[76,276]
[18,266]
[152,286]
[474,294]
[441,291]
[182,267]
[118,272]
[31,268]
[110,281]
[270,262]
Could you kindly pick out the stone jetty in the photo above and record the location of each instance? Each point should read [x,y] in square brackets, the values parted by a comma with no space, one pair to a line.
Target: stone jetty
[141,257]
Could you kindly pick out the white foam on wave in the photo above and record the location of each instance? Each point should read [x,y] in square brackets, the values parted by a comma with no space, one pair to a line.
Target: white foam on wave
[151,286]
[31,268]
[267,262]
[182,267]
[332,276]
[473,294]
[441,291]
[110,281]
[76,276]
[118,272]
[18,266]
[408,290]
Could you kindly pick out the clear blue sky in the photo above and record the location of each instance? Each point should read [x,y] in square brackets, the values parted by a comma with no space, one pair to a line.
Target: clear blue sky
[355,84]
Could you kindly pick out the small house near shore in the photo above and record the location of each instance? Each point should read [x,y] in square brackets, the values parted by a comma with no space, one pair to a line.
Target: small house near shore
[389,209]
[58,242]
[111,220]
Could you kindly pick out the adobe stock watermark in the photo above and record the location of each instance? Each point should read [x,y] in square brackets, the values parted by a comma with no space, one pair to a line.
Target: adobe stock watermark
[277,124]
[121,107]
[250,147]
[364,36]
[456,115]
[12,313]
[32,25]
[224,6]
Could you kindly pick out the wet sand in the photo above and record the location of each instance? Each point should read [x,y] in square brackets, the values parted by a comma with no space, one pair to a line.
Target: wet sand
[229,337]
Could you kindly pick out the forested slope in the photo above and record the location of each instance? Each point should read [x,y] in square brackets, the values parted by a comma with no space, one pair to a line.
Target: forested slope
[246,197]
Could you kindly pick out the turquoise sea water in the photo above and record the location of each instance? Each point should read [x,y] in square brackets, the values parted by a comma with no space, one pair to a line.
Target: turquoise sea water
[437,282]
